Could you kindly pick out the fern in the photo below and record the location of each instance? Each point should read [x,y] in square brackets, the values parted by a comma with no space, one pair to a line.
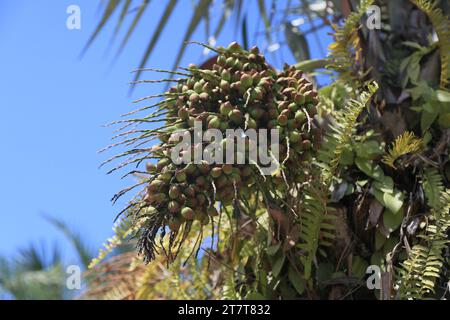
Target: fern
[433,187]
[344,51]
[403,144]
[340,132]
[316,227]
[442,27]
[422,269]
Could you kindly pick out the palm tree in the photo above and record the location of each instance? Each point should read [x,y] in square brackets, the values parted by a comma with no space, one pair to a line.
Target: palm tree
[390,193]
[37,273]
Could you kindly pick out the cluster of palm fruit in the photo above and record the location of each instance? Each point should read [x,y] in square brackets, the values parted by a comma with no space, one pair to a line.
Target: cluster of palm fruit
[241,91]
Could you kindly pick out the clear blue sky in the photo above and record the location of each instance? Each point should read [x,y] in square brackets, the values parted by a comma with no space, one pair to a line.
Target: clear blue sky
[53,106]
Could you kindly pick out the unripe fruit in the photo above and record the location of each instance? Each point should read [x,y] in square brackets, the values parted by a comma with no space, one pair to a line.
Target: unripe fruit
[187,213]
[282,119]
[226,75]
[155,185]
[246,81]
[174,192]
[183,114]
[162,164]
[180,176]
[151,168]
[214,123]
[159,198]
[216,172]
[300,116]
[236,116]
[295,136]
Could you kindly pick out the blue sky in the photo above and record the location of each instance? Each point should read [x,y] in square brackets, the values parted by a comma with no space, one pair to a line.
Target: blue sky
[54,105]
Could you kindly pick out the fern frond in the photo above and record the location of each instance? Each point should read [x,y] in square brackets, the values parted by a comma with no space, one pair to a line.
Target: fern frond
[345,49]
[340,133]
[403,144]
[433,187]
[315,221]
[422,269]
[441,25]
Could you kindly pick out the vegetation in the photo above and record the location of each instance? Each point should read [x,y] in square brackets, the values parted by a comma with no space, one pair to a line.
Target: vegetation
[364,181]
[363,176]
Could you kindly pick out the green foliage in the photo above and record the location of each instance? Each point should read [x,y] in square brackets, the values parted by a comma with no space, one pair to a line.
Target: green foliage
[441,26]
[426,259]
[345,51]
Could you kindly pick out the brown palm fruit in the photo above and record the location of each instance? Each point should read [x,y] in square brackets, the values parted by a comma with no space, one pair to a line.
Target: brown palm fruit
[239,91]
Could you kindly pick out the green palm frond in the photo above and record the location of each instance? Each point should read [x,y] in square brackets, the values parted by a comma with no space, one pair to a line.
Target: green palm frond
[403,144]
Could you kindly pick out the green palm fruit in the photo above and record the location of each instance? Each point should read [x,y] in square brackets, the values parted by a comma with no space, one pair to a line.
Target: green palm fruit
[181,176]
[162,163]
[190,168]
[299,99]
[246,81]
[150,167]
[214,123]
[257,113]
[166,177]
[226,75]
[183,114]
[221,60]
[226,108]
[198,87]
[225,85]
[251,123]
[224,126]
[194,98]
[295,136]
[156,185]
[293,107]
[236,116]
[300,116]
[204,96]
[187,213]
[159,198]
[216,172]
[282,120]
[174,192]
